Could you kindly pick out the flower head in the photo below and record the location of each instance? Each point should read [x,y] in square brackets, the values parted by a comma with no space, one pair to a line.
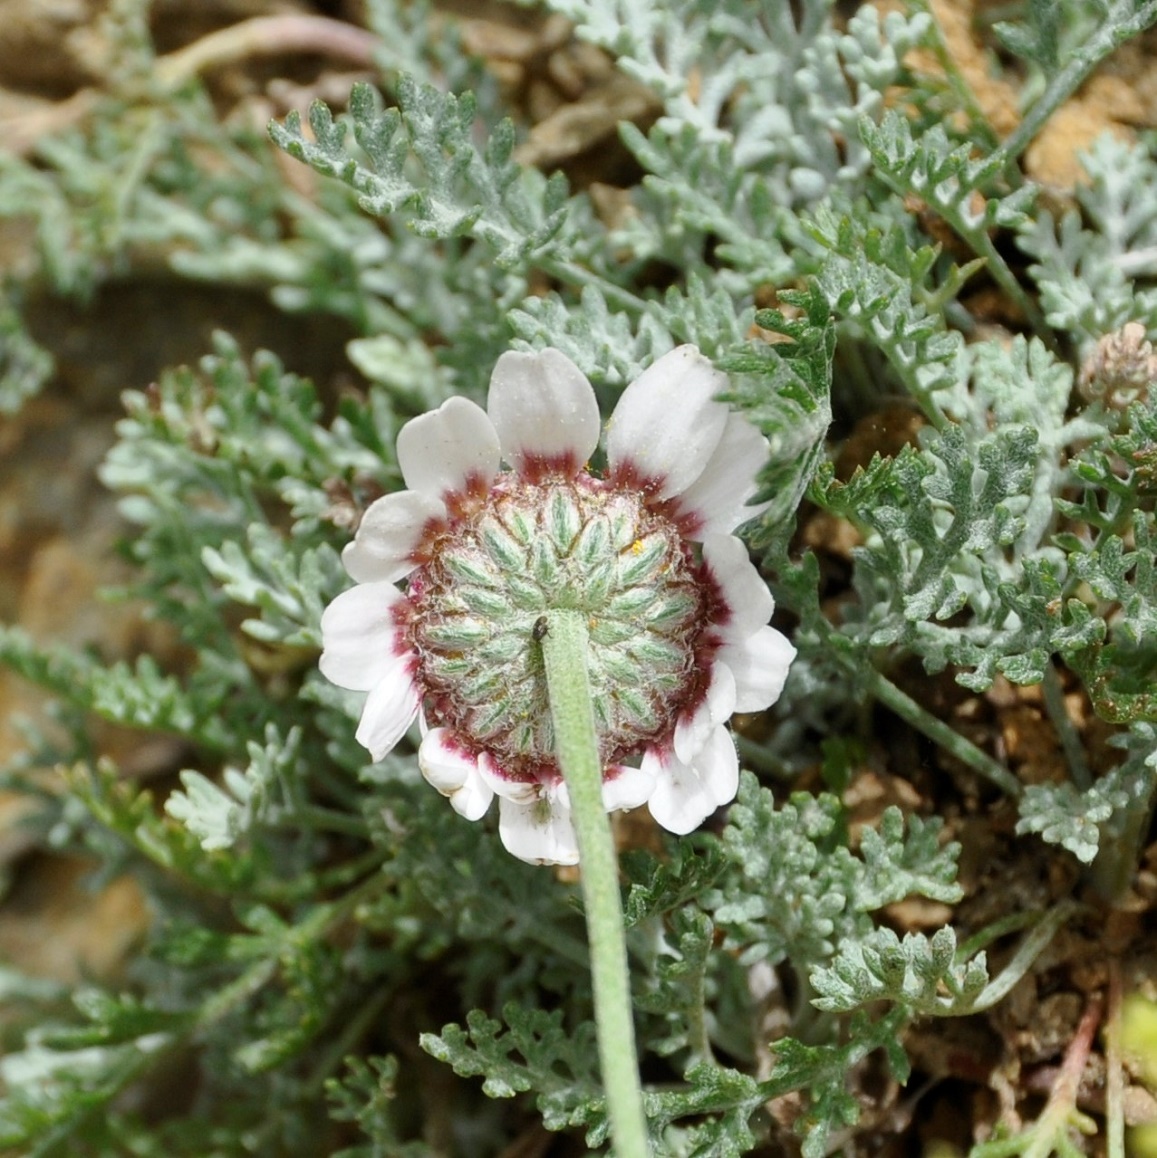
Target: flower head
[675,611]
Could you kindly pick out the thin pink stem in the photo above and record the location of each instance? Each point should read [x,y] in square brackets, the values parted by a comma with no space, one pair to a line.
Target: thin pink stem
[1077,1056]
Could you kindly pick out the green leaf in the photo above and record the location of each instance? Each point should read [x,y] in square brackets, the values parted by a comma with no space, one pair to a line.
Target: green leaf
[822,1071]
[787,895]
[1084,821]
[785,390]
[288,582]
[113,1021]
[1037,39]
[533,1052]
[462,191]
[919,973]
[877,283]
[943,174]
[219,818]
[726,1097]
[365,1094]
[660,886]
[1088,262]
[677,990]
[797,892]
[899,863]
[941,518]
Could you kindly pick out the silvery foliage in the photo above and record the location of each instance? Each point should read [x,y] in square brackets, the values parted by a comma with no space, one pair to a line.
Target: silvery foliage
[299,891]
[1093,260]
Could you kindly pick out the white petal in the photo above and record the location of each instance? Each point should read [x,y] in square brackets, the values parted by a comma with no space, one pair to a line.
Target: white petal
[760,664]
[625,788]
[680,802]
[695,727]
[447,449]
[389,710]
[717,766]
[473,799]
[454,772]
[545,412]
[360,641]
[390,532]
[716,498]
[503,786]
[540,832]
[749,602]
[445,764]
[667,423]
[686,794]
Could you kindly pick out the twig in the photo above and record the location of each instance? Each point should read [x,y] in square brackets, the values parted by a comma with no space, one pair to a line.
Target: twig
[261,36]
[268,36]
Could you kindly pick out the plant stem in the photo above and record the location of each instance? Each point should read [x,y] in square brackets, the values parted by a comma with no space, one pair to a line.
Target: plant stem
[330,820]
[1026,953]
[952,741]
[1002,274]
[964,98]
[564,654]
[1114,1077]
[1117,861]
[1126,19]
[1074,751]
[1060,1112]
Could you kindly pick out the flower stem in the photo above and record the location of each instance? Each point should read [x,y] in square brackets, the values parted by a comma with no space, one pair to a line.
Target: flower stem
[564,655]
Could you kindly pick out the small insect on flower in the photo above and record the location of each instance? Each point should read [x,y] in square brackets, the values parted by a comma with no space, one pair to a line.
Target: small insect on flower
[678,615]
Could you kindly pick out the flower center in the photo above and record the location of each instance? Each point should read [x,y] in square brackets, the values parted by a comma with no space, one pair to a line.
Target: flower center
[578,544]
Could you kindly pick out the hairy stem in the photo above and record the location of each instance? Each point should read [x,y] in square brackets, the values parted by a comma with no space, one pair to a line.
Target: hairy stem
[564,653]
[1002,274]
[963,97]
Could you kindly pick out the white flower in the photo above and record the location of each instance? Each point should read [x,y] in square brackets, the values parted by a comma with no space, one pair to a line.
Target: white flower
[676,613]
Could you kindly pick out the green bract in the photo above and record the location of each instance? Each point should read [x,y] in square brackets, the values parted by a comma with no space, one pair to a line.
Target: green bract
[568,545]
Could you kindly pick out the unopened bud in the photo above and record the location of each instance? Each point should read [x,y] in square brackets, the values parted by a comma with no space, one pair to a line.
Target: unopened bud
[1120,369]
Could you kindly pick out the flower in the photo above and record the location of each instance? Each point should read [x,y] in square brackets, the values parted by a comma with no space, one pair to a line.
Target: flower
[676,612]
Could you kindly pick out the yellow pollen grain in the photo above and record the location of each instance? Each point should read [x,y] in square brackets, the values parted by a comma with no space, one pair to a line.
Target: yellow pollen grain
[637,547]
